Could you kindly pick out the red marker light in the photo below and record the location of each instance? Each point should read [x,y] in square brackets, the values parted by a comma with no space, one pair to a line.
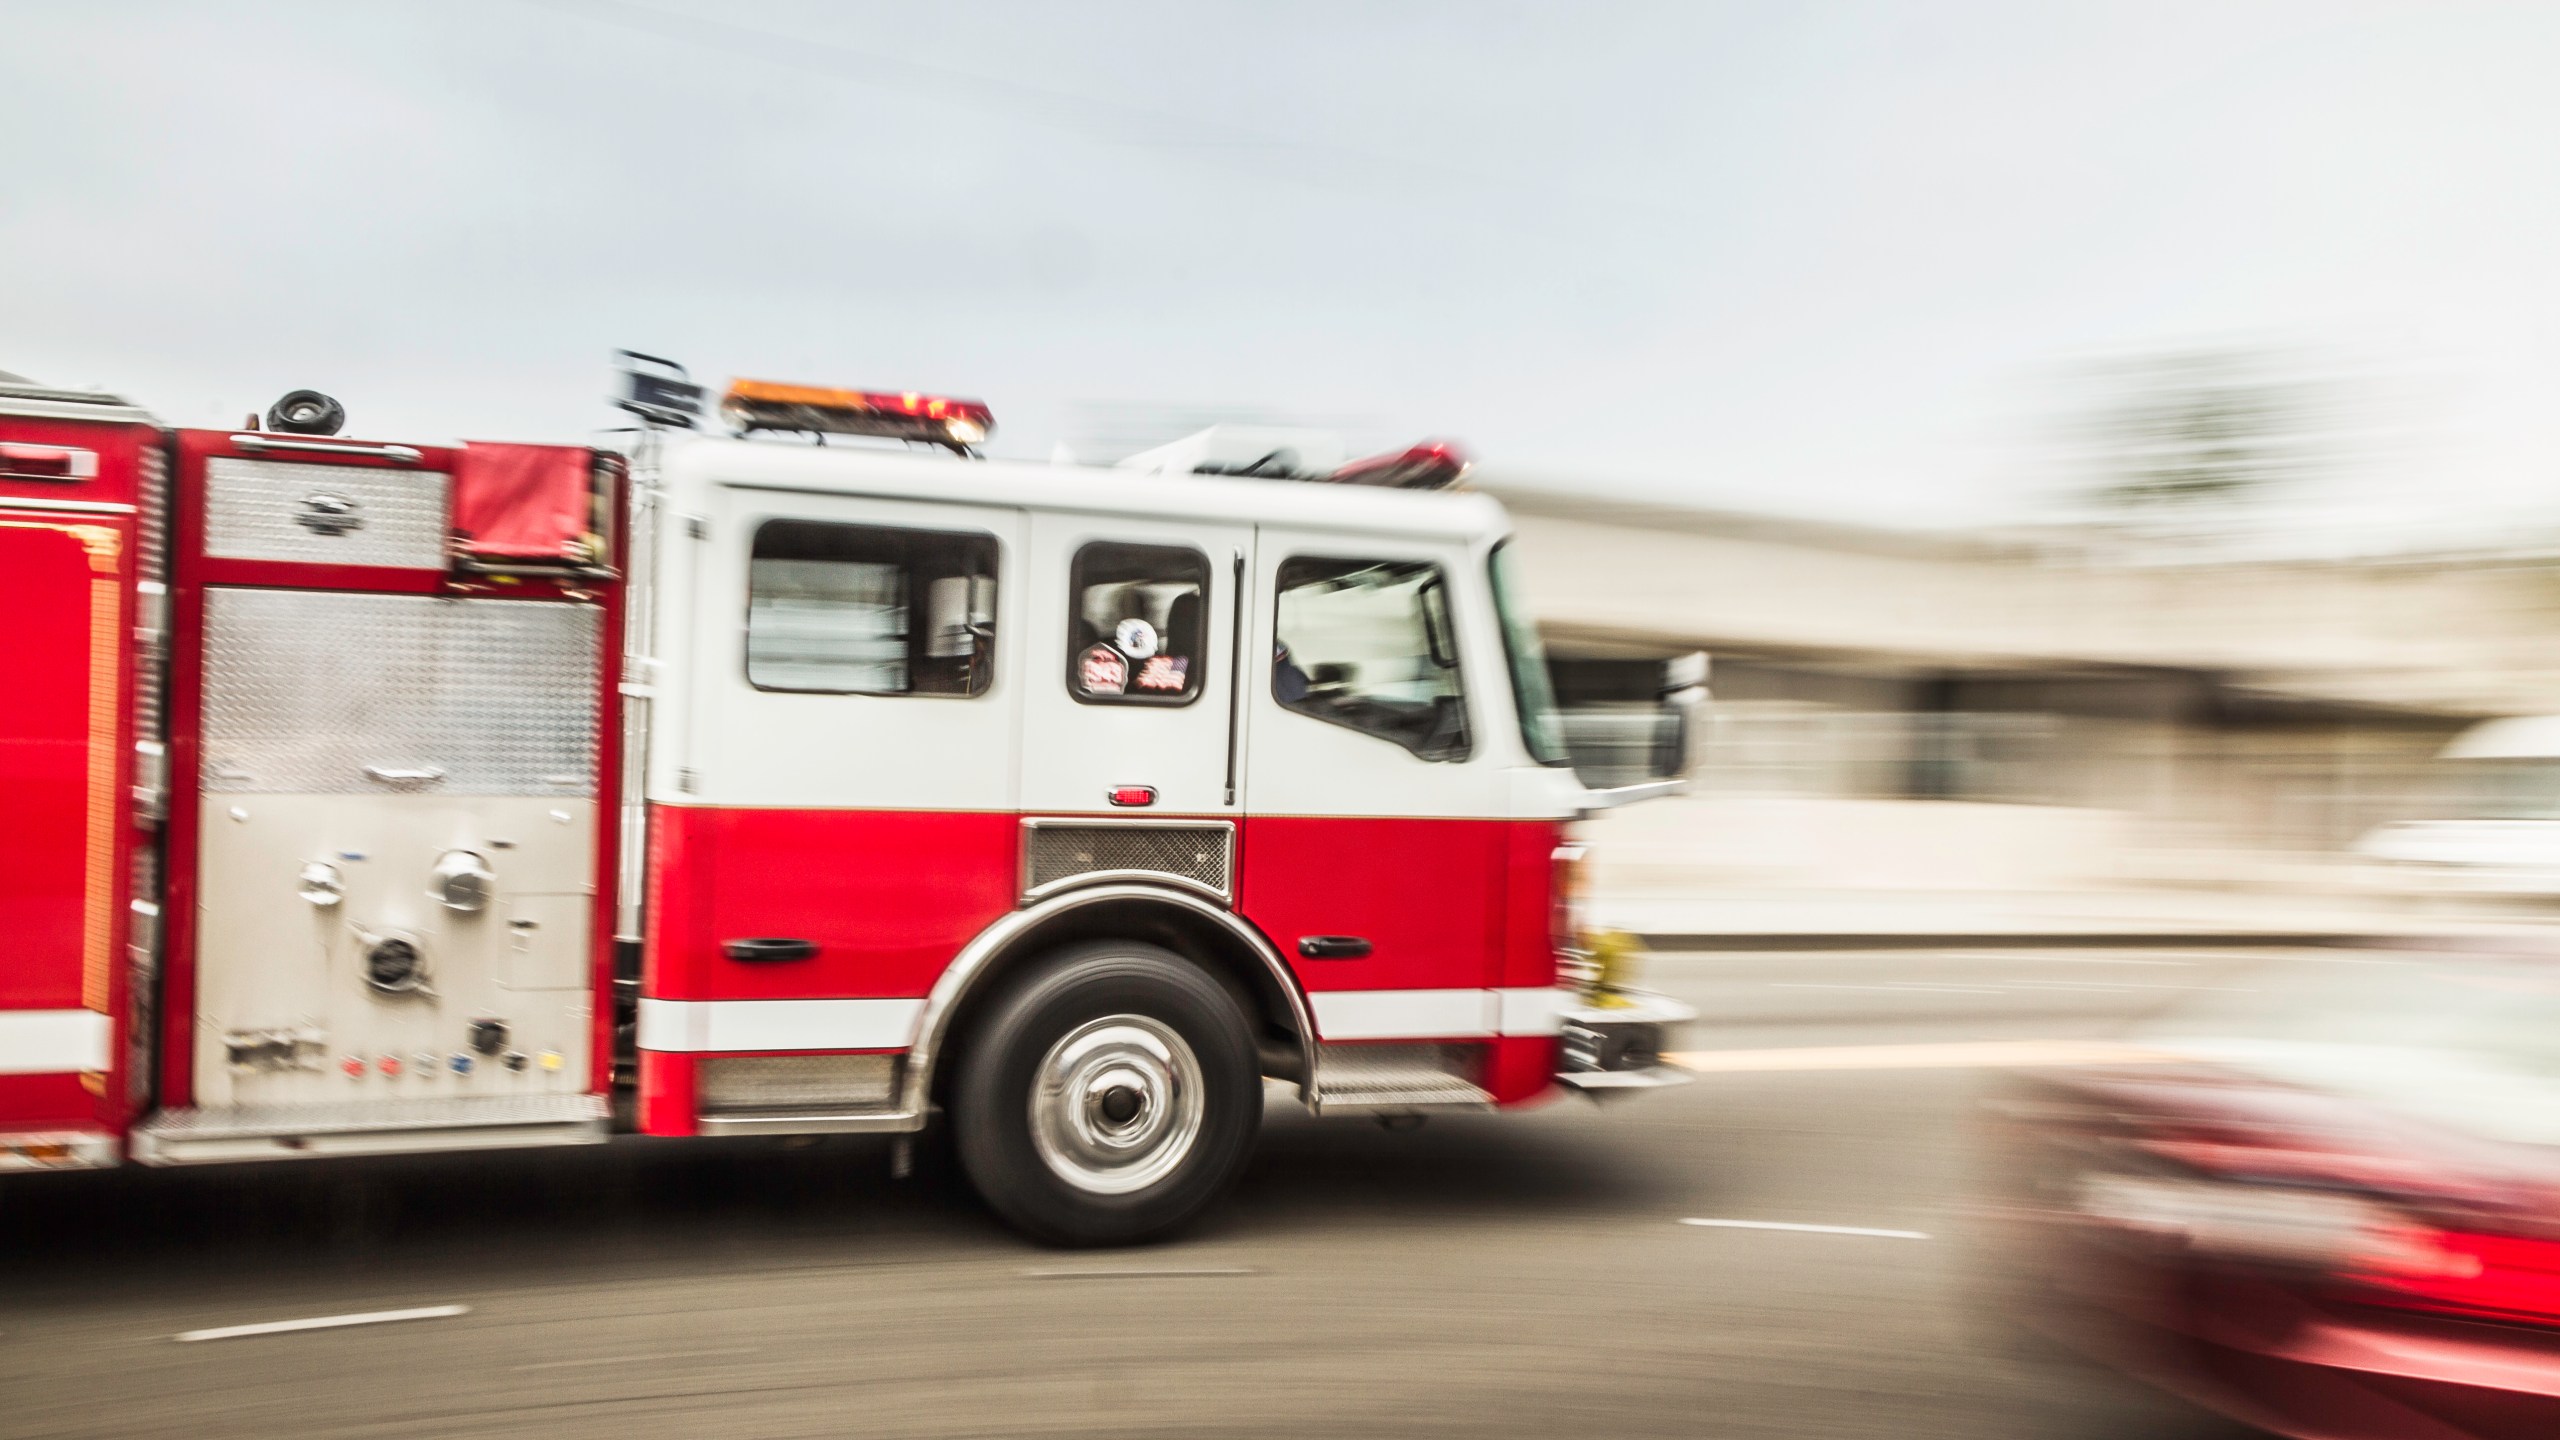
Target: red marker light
[46,462]
[1133,795]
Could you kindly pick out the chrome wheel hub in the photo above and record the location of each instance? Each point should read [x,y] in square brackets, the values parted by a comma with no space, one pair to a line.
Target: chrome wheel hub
[1116,1104]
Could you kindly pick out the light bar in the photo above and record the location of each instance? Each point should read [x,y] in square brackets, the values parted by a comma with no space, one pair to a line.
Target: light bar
[1431,465]
[754,405]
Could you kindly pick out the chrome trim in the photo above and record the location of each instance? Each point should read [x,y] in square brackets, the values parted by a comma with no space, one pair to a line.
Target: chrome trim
[917,1081]
[1595,1082]
[71,1150]
[67,507]
[1610,799]
[1641,1007]
[1022,876]
[259,443]
[877,1122]
[1120,877]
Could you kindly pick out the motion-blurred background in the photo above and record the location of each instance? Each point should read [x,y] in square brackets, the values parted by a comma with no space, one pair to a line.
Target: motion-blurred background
[2104,449]
[2099,459]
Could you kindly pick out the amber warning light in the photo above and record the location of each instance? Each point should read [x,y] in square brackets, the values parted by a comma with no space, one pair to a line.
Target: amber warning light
[959,425]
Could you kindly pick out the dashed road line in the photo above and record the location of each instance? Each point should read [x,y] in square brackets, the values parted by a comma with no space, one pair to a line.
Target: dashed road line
[322,1322]
[1809,1229]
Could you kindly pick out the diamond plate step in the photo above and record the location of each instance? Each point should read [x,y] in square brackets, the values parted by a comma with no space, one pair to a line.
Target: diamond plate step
[371,1127]
[1398,1078]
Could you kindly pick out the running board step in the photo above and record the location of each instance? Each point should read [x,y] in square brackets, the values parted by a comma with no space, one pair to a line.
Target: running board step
[1397,1079]
[379,1127]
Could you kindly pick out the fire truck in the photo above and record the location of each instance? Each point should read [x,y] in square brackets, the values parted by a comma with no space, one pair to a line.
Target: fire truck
[781,765]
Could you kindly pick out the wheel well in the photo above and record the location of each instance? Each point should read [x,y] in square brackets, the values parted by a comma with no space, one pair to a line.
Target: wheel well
[1193,936]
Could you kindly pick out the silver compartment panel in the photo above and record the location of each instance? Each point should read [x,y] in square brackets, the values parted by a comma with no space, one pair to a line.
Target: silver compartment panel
[324,514]
[304,689]
[270,961]
[478,720]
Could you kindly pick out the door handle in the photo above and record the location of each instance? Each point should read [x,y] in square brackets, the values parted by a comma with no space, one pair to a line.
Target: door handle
[389,775]
[765,948]
[1333,947]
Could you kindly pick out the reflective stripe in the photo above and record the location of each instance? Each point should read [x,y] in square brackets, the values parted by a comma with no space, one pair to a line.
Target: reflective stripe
[45,1042]
[1437,1014]
[1537,1011]
[690,1026]
[708,1026]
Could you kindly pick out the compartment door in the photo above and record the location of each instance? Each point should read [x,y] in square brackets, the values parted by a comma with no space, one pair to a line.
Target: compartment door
[61,740]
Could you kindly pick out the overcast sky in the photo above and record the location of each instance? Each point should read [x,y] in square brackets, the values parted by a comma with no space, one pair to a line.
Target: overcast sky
[1812,257]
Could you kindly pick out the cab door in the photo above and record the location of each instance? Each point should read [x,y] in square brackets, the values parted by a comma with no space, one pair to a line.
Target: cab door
[1131,691]
[1375,838]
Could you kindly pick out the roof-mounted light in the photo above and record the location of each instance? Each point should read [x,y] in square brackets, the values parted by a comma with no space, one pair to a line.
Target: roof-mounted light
[958,425]
[1431,465]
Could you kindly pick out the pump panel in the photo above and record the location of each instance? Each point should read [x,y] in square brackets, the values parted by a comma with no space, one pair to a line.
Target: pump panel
[396,848]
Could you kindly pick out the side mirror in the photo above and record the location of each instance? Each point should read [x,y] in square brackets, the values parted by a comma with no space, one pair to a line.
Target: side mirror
[1684,694]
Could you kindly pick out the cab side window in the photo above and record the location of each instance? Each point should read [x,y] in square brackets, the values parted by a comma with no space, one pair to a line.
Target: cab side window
[1137,624]
[1367,644]
[870,610]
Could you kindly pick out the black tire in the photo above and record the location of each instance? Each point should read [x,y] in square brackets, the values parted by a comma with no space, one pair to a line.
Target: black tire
[1073,1092]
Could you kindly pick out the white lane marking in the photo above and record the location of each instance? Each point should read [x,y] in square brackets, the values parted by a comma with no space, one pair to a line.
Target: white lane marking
[634,1359]
[1953,1055]
[2048,957]
[1908,987]
[2130,985]
[1809,1229]
[323,1322]
[1133,1274]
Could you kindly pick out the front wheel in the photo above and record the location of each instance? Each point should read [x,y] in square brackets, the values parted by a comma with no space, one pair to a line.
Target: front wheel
[1109,1097]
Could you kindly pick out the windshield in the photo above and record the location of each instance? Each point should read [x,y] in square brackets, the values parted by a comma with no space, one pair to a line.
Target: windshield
[2522,788]
[1533,694]
[2472,1042]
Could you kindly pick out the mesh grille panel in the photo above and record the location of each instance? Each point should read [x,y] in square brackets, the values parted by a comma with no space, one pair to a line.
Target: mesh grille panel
[151,566]
[1197,853]
[796,1082]
[151,526]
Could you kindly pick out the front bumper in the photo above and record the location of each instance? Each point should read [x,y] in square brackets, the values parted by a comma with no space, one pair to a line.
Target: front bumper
[1615,1041]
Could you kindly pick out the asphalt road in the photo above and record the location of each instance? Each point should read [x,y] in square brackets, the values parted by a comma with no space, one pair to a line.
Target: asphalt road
[1519,1275]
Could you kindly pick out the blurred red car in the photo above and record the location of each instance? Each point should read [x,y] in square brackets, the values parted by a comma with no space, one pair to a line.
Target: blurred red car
[2346,1226]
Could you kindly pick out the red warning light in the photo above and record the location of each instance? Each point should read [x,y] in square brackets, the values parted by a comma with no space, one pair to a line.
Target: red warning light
[1431,465]
[896,415]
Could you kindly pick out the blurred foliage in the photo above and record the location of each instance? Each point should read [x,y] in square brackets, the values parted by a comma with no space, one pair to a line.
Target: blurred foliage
[2202,427]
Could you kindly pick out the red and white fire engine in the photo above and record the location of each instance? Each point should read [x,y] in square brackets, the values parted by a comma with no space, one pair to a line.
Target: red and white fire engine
[368,798]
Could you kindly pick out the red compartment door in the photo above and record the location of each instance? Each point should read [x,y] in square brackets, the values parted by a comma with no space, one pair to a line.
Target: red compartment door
[61,746]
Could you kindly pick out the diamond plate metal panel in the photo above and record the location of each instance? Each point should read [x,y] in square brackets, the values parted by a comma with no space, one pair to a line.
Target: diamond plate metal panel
[767,1083]
[1060,852]
[1392,1077]
[324,514]
[333,692]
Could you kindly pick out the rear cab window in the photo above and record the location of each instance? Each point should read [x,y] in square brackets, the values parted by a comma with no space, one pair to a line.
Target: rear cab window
[1137,624]
[843,609]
